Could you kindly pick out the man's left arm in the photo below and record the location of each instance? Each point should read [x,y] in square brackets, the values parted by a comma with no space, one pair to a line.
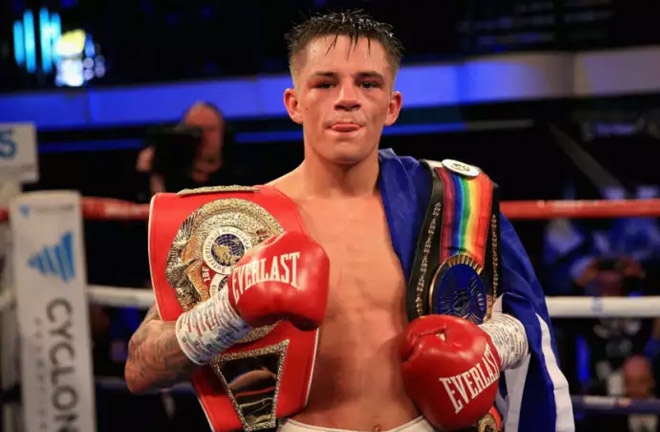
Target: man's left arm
[535,395]
[454,370]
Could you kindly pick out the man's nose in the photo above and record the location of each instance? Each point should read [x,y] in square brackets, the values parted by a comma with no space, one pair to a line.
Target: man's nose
[348,98]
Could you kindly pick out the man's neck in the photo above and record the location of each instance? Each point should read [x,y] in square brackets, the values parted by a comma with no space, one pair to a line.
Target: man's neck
[321,179]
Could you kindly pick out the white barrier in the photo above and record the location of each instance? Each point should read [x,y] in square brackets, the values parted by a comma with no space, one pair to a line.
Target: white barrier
[50,278]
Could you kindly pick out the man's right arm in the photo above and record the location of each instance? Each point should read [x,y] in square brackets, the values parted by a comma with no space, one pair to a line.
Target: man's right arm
[160,353]
[155,358]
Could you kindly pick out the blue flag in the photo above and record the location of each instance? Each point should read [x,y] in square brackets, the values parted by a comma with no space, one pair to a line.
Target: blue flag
[534,396]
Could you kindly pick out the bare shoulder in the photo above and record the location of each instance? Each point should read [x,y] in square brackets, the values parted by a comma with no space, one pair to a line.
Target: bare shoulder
[277,183]
[287,184]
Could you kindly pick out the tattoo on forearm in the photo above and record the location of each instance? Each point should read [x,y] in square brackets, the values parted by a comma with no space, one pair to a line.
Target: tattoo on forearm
[154,356]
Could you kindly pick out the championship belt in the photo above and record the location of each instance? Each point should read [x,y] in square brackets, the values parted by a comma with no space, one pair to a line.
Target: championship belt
[195,239]
[456,269]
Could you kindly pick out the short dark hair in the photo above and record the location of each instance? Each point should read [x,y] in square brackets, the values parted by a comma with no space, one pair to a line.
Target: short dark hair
[206,104]
[352,23]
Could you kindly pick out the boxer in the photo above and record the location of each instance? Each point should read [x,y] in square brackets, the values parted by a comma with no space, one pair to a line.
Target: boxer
[375,368]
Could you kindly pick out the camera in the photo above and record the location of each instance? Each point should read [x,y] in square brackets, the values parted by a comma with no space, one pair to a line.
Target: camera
[175,148]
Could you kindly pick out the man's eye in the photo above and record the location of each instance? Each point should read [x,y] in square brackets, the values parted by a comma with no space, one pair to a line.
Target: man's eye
[325,85]
[369,84]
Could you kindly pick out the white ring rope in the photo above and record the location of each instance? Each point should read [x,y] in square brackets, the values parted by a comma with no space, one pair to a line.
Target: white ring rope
[559,307]
[604,307]
[120,297]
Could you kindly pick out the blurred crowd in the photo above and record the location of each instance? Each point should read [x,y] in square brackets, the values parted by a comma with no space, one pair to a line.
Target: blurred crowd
[607,258]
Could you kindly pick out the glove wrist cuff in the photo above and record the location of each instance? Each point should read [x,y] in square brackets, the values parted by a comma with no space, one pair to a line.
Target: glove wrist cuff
[510,340]
[209,328]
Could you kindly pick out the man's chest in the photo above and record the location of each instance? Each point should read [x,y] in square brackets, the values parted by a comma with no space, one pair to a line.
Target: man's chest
[364,269]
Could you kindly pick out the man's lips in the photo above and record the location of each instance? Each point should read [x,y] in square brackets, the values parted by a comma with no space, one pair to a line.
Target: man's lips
[345,127]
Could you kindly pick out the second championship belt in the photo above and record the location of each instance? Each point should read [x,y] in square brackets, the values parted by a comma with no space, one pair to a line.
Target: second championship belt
[196,237]
[456,269]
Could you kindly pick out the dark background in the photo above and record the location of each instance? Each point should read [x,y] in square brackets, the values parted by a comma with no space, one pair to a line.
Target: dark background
[166,40]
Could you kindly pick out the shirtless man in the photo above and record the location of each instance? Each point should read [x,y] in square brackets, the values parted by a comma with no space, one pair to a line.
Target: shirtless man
[344,67]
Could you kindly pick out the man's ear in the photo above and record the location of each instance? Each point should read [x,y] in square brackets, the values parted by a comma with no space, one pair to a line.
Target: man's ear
[292,106]
[393,108]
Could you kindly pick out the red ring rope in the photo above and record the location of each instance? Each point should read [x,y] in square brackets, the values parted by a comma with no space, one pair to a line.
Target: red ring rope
[517,210]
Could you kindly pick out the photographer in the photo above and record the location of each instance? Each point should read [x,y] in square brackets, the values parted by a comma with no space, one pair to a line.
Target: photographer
[194,153]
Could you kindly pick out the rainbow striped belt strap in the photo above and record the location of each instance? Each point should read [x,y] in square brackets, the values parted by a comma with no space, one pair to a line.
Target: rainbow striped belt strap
[456,269]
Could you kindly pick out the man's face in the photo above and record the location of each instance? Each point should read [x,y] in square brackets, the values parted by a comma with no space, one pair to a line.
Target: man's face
[638,380]
[343,97]
[207,160]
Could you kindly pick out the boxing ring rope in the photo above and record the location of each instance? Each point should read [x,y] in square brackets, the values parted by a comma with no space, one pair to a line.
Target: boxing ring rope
[113,209]
[615,405]
[596,209]
[120,297]
[559,307]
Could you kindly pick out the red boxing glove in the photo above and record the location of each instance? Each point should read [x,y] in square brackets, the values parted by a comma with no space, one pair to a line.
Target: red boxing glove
[284,278]
[451,369]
